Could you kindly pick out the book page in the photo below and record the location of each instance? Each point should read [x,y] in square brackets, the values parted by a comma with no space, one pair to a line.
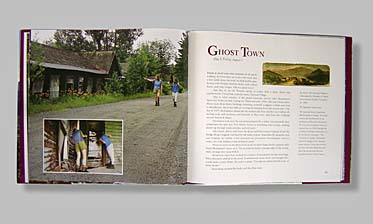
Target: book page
[103,106]
[265,108]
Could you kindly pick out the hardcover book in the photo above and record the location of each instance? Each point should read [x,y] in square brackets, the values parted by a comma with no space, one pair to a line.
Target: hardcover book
[167,106]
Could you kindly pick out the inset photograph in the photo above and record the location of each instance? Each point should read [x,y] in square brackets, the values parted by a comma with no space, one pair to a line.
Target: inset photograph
[84,146]
[286,74]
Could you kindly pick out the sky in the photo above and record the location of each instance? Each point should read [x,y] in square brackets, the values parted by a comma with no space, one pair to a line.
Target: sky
[149,35]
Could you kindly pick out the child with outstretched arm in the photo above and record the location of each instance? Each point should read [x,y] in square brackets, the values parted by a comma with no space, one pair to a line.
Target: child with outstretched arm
[157,88]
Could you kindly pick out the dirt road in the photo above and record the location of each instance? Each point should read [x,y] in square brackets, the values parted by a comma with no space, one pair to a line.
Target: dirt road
[155,141]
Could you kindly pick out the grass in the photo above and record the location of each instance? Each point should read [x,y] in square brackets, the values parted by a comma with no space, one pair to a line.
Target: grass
[276,67]
[65,102]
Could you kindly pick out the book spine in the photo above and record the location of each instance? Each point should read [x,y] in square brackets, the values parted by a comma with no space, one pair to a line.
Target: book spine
[21,111]
[348,111]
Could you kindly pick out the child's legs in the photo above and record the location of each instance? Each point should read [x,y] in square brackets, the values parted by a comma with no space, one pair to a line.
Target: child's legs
[175,99]
[84,159]
[78,154]
[158,93]
[78,158]
[110,151]
[83,150]
[155,95]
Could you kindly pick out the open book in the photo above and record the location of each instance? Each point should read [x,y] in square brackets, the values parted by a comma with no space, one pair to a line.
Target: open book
[163,106]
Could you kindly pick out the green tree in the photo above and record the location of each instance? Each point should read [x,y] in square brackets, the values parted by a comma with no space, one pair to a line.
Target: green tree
[181,67]
[123,40]
[140,65]
[172,69]
[73,40]
[101,39]
[165,51]
[119,41]
[36,58]
[114,84]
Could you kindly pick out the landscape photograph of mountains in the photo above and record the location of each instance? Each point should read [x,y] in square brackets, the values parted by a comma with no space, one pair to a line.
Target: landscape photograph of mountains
[295,74]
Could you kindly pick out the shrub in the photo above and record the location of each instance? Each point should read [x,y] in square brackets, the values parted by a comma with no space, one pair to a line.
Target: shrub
[167,89]
[114,84]
[36,99]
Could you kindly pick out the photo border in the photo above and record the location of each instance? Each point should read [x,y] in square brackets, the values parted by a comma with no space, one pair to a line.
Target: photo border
[84,173]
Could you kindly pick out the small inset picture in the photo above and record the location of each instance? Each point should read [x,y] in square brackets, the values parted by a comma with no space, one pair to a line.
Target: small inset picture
[295,74]
[83,146]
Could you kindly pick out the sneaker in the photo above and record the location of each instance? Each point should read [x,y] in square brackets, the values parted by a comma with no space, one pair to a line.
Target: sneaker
[175,104]
[110,166]
[83,169]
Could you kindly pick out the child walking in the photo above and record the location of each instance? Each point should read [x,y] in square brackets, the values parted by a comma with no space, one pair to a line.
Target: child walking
[157,88]
[175,91]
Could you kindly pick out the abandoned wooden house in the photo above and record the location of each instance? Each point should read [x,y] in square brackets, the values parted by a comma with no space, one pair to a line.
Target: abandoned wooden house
[70,71]
[59,152]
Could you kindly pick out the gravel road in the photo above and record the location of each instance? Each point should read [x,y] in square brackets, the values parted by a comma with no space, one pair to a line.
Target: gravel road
[155,141]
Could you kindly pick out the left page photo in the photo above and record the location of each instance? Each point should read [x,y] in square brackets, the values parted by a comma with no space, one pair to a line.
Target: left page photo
[103,106]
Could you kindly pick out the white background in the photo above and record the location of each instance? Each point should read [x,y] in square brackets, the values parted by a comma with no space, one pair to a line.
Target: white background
[161,204]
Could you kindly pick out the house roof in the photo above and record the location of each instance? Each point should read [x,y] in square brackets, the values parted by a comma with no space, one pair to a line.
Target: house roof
[98,62]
